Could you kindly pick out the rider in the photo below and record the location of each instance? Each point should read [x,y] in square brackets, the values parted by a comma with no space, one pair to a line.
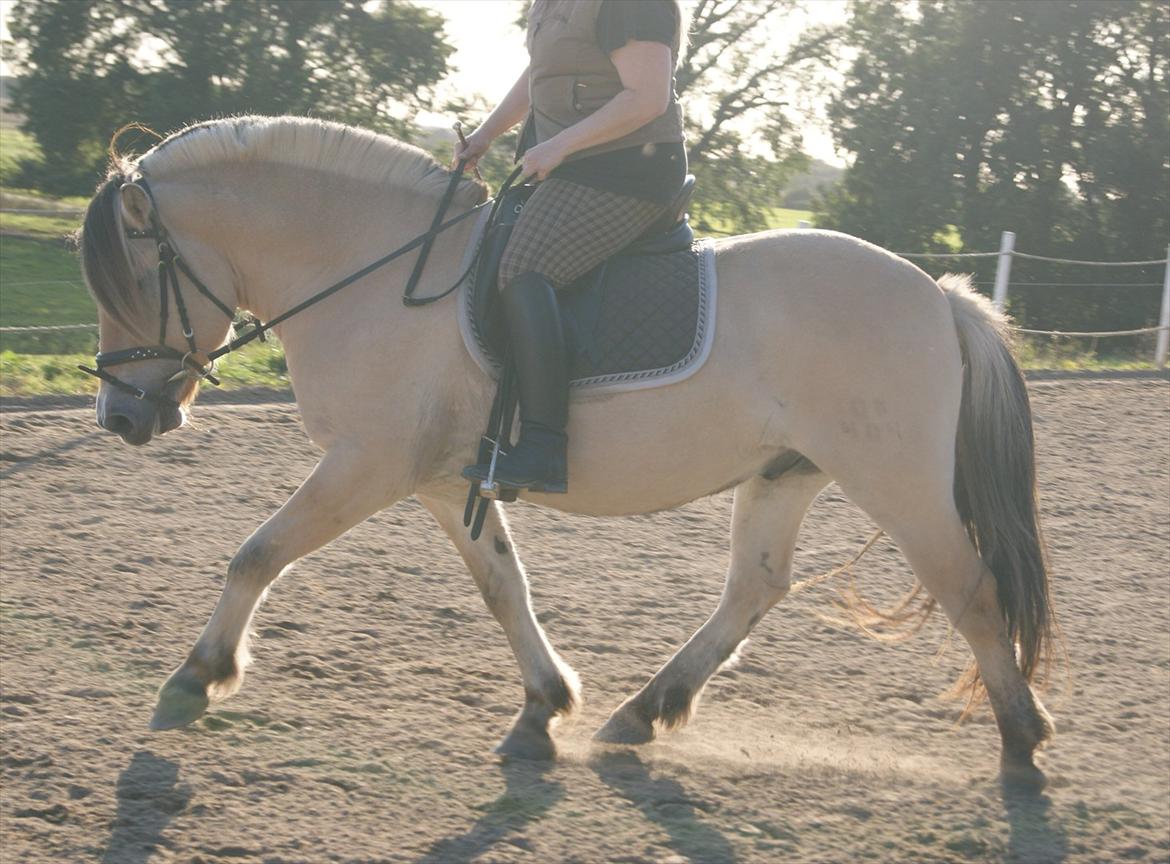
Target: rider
[603,135]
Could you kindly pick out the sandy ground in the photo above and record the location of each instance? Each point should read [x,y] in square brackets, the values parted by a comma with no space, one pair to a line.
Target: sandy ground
[381,683]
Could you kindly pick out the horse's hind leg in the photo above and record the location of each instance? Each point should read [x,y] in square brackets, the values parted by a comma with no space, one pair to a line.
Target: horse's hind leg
[765,521]
[550,686]
[915,506]
[341,492]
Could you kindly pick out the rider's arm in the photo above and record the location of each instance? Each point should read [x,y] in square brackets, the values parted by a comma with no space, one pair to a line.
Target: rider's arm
[512,109]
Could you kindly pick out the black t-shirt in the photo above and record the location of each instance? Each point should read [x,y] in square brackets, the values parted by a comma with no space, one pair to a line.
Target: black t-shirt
[654,172]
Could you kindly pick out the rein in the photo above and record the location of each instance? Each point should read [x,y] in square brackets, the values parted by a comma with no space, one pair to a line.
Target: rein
[196,365]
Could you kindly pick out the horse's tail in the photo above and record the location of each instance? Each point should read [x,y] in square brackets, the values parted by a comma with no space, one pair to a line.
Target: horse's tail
[995,477]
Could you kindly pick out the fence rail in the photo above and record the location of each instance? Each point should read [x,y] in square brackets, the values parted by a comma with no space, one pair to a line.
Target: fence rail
[47,328]
[1003,269]
[40,211]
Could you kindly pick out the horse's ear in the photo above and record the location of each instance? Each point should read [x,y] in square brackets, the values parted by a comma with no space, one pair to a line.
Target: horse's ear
[135,206]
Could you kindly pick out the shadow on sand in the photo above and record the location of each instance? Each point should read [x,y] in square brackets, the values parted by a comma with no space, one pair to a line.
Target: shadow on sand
[148,798]
[528,795]
[37,460]
[1034,834]
[665,802]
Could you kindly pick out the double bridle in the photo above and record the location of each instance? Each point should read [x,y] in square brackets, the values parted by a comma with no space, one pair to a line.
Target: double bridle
[197,365]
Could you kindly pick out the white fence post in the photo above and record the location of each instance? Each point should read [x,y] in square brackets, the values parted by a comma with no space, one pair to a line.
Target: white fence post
[1003,270]
[1164,319]
[803,223]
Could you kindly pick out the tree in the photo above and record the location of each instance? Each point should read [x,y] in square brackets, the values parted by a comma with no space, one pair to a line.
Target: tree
[88,66]
[1046,118]
[742,123]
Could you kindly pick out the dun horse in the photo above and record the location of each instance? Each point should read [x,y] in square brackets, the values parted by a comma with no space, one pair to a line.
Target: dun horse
[833,360]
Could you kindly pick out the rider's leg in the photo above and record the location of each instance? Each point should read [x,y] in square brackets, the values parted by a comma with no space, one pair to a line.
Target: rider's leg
[565,230]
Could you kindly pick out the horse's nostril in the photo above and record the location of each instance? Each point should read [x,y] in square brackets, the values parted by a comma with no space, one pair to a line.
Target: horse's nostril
[119,424]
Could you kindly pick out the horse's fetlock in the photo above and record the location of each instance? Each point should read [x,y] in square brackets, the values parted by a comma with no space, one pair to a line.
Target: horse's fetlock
[676,705]
[220,673]
[558,694]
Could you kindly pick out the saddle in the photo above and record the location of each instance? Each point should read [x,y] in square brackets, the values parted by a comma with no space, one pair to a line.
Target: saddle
[598,343]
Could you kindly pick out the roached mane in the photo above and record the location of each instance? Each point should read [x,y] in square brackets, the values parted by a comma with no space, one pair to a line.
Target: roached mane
[297,141]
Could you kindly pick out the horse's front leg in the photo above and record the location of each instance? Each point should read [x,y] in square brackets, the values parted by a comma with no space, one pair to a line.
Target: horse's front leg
[344,489]
[550,686]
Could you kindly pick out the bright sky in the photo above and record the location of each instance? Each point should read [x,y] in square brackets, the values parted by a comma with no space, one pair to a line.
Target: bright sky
[489,52]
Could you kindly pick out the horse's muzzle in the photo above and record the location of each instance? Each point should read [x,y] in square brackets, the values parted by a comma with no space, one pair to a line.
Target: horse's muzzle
[136,421]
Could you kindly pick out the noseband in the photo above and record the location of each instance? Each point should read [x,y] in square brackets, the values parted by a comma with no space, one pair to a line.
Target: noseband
[194,364]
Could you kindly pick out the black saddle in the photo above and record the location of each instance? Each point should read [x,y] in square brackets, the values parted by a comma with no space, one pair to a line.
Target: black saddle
[581,302]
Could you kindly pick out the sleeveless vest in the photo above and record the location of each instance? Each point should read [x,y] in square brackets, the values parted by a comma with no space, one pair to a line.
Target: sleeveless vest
[570,77]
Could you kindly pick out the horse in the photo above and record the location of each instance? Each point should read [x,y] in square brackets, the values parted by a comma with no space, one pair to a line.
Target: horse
[833,360]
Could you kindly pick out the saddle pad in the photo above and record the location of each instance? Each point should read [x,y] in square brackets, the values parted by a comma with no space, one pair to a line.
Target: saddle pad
[650,322]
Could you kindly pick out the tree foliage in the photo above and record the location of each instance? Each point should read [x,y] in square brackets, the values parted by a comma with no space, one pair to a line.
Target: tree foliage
[736,86]
[88,66]
[1049,119]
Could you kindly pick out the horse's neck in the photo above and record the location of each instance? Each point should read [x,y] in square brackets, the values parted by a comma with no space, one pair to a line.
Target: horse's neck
[299,232]
[295,236]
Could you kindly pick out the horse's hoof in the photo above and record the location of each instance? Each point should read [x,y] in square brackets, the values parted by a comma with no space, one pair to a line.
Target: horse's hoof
[182,700]
[623,727]
[527,744]
[1022,778]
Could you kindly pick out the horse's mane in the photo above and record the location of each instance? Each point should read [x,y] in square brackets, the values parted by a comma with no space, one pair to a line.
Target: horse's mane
[304,142]
[296,141]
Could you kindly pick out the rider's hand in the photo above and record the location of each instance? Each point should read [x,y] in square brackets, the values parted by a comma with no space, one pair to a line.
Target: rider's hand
[477,144]
[541,160]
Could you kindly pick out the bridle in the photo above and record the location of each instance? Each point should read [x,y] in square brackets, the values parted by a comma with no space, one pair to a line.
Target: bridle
[197,365]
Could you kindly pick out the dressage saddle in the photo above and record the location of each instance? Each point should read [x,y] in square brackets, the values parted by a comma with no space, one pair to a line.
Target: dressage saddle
[581,301]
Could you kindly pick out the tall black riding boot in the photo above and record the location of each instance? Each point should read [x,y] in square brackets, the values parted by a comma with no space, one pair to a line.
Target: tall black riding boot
[533,321]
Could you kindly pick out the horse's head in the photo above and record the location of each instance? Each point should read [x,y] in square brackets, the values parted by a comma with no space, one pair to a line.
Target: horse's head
[157,319]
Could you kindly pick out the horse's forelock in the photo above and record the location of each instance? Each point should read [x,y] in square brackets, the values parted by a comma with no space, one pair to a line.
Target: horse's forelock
[104,259]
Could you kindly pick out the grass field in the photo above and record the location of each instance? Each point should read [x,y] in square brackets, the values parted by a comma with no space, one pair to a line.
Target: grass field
[256,365]
[778,217]
[40,284]
[15,147]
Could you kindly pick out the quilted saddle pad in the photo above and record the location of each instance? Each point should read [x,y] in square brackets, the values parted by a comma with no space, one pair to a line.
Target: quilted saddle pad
[637,321]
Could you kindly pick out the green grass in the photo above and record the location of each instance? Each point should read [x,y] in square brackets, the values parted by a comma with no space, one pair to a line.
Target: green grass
[1074,354]
[49,226]
[256,365]
[15,147]
[778,217]
[782,217]
[36,374]
[40,284]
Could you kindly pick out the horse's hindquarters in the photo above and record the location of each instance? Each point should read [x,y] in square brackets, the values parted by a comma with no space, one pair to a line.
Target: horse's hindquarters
[823,345]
